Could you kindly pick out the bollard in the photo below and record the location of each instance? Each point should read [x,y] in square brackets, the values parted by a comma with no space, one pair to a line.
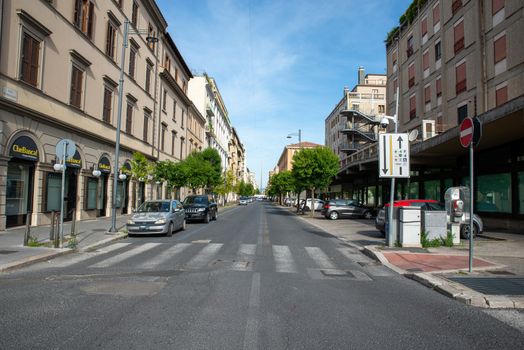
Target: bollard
[56,230]
[52,229]
[73,222]
[27,228]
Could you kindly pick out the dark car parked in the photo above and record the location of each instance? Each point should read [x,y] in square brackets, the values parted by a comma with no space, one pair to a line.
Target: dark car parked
[200,207]
[346,208]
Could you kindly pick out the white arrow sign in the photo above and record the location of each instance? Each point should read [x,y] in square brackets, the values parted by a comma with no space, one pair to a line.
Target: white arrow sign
[393,157]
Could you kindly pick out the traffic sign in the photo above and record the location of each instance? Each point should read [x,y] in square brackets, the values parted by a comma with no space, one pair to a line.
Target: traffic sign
[70,148]
[466,132]
[393,155]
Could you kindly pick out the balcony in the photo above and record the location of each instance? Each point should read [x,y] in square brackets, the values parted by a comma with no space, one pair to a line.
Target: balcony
[455,6]
[209,110]
[355,96]
[460,86]
[459,45]
[359,132]
[349,147]
[359,117]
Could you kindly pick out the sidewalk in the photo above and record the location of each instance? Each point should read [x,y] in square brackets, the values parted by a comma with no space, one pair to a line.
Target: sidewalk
[90,234]
[497,279]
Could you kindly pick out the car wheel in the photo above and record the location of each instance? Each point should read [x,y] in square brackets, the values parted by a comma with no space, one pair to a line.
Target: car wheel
[183,228]
[169,232]
[207,218]
[367,215]
[464,231]
[333,215]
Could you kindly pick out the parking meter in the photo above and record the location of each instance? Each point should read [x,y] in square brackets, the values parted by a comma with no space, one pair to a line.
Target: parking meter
[457,204]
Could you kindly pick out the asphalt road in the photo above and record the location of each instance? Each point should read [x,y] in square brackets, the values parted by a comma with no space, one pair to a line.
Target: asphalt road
[257,278]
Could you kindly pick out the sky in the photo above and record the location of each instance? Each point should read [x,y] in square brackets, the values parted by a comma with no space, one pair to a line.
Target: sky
[281,65]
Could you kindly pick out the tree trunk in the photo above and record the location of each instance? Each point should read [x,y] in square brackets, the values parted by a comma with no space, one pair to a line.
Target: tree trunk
[312,202]
[298,201]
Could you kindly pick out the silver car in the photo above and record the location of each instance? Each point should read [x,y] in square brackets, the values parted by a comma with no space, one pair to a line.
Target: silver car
[157,217]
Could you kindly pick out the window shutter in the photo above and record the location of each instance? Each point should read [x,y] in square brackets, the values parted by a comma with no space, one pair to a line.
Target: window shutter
[90,20]
[129,116]
[501,95]
[461,72]
[436,14]
[35,54]
[424,26]
[26,63]
[78,13]
[427,94]
[496,6]
[425,60]
[439,86]
[500,48]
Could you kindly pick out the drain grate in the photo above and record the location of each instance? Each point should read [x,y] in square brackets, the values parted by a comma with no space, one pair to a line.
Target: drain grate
[493,285]
[5,252]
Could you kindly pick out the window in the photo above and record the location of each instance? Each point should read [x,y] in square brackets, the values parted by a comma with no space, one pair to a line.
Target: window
[409,50]
[355,107]
[53,190]
[132,60]
[181,147]
[455,6]
[164,100]
[494,193]
[427,94]
[129,118]
[108,100]
[30,59]
[394,61]
[381,109]
[413,190]
[499,48]
[496,6]
[174,110]
[163,136]
[134,14]
[425,60]
[432,190]
[412,106]
[151,33]
[84,16]
[436,14]
[458,32]
[91,190]
[395,86]
[173,140]
[460,72]
[501,95]
[110,40]
[146,127]
[411,75]
[149,69]
[521,192]
[167,63]
[182,119]
[424,26]
[462,113]
[438,87]
[438,51]
[77,78]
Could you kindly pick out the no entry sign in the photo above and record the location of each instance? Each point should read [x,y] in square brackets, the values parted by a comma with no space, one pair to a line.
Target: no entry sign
[466,132]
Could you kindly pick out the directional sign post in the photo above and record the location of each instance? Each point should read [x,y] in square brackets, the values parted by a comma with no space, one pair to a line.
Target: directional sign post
[65,149]
[393,155]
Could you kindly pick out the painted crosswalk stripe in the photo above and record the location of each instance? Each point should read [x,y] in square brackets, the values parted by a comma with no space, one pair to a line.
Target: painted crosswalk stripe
[320,258]
[283,259]
[353,255]
[126,255]
[204,256]
[164,256]
[245,257]
[68,261]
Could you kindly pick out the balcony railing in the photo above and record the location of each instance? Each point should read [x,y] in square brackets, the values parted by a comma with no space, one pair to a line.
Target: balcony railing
[459,45]
[460,87]
[365,96]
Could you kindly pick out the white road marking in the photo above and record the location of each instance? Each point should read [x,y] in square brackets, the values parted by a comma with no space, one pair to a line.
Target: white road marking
[204,256]
[251,333]
[246,253]
[126,255]
[283,259]
[68,261]
[164,256]
[321,259]
[353,255]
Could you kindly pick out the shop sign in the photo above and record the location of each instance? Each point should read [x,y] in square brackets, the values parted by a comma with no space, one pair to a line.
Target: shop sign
[75,161]
[104,166]
[25,148]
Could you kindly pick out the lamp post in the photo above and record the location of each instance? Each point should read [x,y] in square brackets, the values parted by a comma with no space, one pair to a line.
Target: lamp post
[299,134]
[119,117]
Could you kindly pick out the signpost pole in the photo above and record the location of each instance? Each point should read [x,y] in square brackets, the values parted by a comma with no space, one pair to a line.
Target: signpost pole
[471,227]
[391,239]
[63,193]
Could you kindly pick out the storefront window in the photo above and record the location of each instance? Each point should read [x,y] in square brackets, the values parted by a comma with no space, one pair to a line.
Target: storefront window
[371,196]
[119,194]
[521,192]
[413,190]
[17,189]
[92,186]
[432,190]
[493,193]
[53,191]
[447,184]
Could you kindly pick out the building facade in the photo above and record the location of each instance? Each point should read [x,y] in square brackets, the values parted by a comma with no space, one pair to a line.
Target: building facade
[285,162]
[59,79]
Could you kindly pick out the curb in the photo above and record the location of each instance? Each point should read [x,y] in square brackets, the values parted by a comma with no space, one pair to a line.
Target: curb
[34,259]
[104,242]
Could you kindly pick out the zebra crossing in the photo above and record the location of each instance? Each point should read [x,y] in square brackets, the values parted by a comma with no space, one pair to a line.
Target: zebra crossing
[204,255]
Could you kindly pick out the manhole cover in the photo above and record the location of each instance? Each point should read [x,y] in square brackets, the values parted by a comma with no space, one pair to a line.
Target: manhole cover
[493,285]
[5,252]
[336,273]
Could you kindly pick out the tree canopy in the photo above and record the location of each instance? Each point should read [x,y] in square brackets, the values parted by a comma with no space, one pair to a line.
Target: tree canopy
[314,168]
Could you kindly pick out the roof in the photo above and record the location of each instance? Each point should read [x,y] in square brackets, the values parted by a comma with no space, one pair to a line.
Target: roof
[304,144]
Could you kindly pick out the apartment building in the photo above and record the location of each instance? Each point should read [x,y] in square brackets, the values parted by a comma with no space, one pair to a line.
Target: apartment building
[452,60]
[285,162]
[353,123]
[59,78]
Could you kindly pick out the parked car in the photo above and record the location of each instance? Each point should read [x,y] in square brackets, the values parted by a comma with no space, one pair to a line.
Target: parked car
[429,204]
[200,207]
[305,205]
[243,201]
[346,208]
[161,216]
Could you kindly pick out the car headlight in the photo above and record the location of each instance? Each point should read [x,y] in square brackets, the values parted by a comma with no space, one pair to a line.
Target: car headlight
[160,221]
[130,222]
[201,209]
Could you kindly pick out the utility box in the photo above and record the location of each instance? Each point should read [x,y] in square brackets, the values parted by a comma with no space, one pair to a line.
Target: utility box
[435,224]
[409,226]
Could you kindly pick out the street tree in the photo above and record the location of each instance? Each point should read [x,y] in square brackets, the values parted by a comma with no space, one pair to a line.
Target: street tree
[227,183]
[211,156]
[282,183]
[174,174]
[140,169]
[314,168]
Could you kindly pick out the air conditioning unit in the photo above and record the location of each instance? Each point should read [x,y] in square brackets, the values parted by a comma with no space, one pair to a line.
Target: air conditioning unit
[428,129]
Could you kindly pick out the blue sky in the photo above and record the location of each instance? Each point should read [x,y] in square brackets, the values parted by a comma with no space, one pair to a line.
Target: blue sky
[281,65]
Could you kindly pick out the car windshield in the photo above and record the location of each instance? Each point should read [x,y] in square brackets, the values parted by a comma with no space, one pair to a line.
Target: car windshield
[154,207]
[195,200]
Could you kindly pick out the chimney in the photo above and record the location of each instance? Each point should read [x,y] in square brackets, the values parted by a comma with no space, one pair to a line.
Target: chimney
[360,75]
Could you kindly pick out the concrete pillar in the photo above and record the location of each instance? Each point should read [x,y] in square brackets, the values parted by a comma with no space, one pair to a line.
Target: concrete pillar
[3,185]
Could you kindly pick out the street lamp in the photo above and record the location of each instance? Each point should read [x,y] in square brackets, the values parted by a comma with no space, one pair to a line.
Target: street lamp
[299,134]
[119,114]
